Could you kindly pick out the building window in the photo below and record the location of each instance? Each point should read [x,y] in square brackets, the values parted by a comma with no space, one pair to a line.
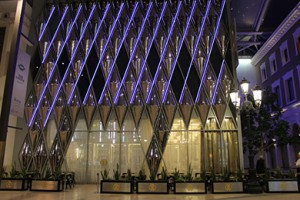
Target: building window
[296,35]
[278,94]
[263,72]
[284,53]
[273,64]
[277,91]
[290,89]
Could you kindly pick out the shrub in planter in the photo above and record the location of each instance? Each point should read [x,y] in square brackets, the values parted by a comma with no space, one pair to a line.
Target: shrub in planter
[282,182]
[228,183]
[187,184]
[14,180]
[116,185]
[152,186]
[50,181]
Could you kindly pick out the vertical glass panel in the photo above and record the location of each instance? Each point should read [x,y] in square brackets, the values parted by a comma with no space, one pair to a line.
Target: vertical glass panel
[231,153]
[176,152]
[145,132]
[132,155]
[51,132]
[76,158]
[195,151]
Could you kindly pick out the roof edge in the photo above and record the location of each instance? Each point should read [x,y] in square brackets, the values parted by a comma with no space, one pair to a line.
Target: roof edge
[280,31]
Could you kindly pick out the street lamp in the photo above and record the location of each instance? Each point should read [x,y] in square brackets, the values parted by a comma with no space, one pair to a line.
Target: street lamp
[252,186]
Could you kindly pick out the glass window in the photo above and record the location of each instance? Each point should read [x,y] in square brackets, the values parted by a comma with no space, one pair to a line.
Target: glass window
[278,93]
[290,89]
[263,72]
[284,53]
[274,66]
[273,63]
[296,35]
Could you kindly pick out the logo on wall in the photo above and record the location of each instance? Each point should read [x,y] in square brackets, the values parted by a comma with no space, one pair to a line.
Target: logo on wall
[20,84]
[21,67]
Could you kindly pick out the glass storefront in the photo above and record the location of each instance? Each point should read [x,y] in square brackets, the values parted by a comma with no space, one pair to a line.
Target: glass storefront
[205,151]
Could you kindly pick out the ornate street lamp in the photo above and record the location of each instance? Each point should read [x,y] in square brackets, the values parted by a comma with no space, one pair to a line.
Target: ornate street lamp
[252,186]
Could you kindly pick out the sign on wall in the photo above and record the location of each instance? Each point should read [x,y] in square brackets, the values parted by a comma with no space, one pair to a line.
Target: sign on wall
[20,84]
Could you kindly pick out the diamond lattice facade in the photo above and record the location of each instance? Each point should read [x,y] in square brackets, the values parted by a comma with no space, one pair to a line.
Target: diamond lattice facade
[139,84]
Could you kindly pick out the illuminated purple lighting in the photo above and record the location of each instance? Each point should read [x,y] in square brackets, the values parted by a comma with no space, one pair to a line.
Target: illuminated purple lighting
[196,50]
[163,53]
[75,50]
[179,48]
[211,44]
[218,81]
[133,52]
[70,63]
[104,49]
[46,24]
[52,70]
[54,36]
[89,50]
[149,46]
[119,48]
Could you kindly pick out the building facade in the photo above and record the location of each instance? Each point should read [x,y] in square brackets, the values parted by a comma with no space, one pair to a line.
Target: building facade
[141,84]
[278,65]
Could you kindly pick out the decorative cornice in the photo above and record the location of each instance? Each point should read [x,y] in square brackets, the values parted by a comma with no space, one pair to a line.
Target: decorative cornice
[282,29]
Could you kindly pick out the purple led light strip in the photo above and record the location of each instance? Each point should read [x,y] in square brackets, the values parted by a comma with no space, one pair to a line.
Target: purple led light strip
[119,48]
[163,53]
[104,50]
[196,49]
[218,81]
[45,87]
[209,53]
[133,52]
[179,48]
[101,57]
[46,24]
[54,36]
[148,51]
[67,38]
[73,56]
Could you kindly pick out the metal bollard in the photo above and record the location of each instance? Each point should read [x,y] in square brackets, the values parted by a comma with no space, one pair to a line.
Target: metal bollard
[98,183]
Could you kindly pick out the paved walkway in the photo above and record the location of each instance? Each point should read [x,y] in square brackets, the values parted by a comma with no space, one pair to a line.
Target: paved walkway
[89,192]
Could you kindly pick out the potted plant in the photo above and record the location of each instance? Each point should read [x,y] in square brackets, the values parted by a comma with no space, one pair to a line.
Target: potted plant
[14,180]
[228,183]
[281,182]
[187,184]
[117,185]
[153,186]
[50,181]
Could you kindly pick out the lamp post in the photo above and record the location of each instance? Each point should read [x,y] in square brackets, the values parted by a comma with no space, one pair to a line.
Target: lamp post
[252,186]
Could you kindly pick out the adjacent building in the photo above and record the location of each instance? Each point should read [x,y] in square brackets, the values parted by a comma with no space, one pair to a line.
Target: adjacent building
[278,67]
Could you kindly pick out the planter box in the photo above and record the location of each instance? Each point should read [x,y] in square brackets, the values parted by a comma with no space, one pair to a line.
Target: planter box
[13,184]
[190,187]
[47,185]
[228,187]
[110,186]
[282,186]
[152,187]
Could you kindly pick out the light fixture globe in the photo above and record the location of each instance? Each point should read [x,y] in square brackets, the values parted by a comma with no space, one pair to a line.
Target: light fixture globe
[245,86]
[257,95]
[234,95]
